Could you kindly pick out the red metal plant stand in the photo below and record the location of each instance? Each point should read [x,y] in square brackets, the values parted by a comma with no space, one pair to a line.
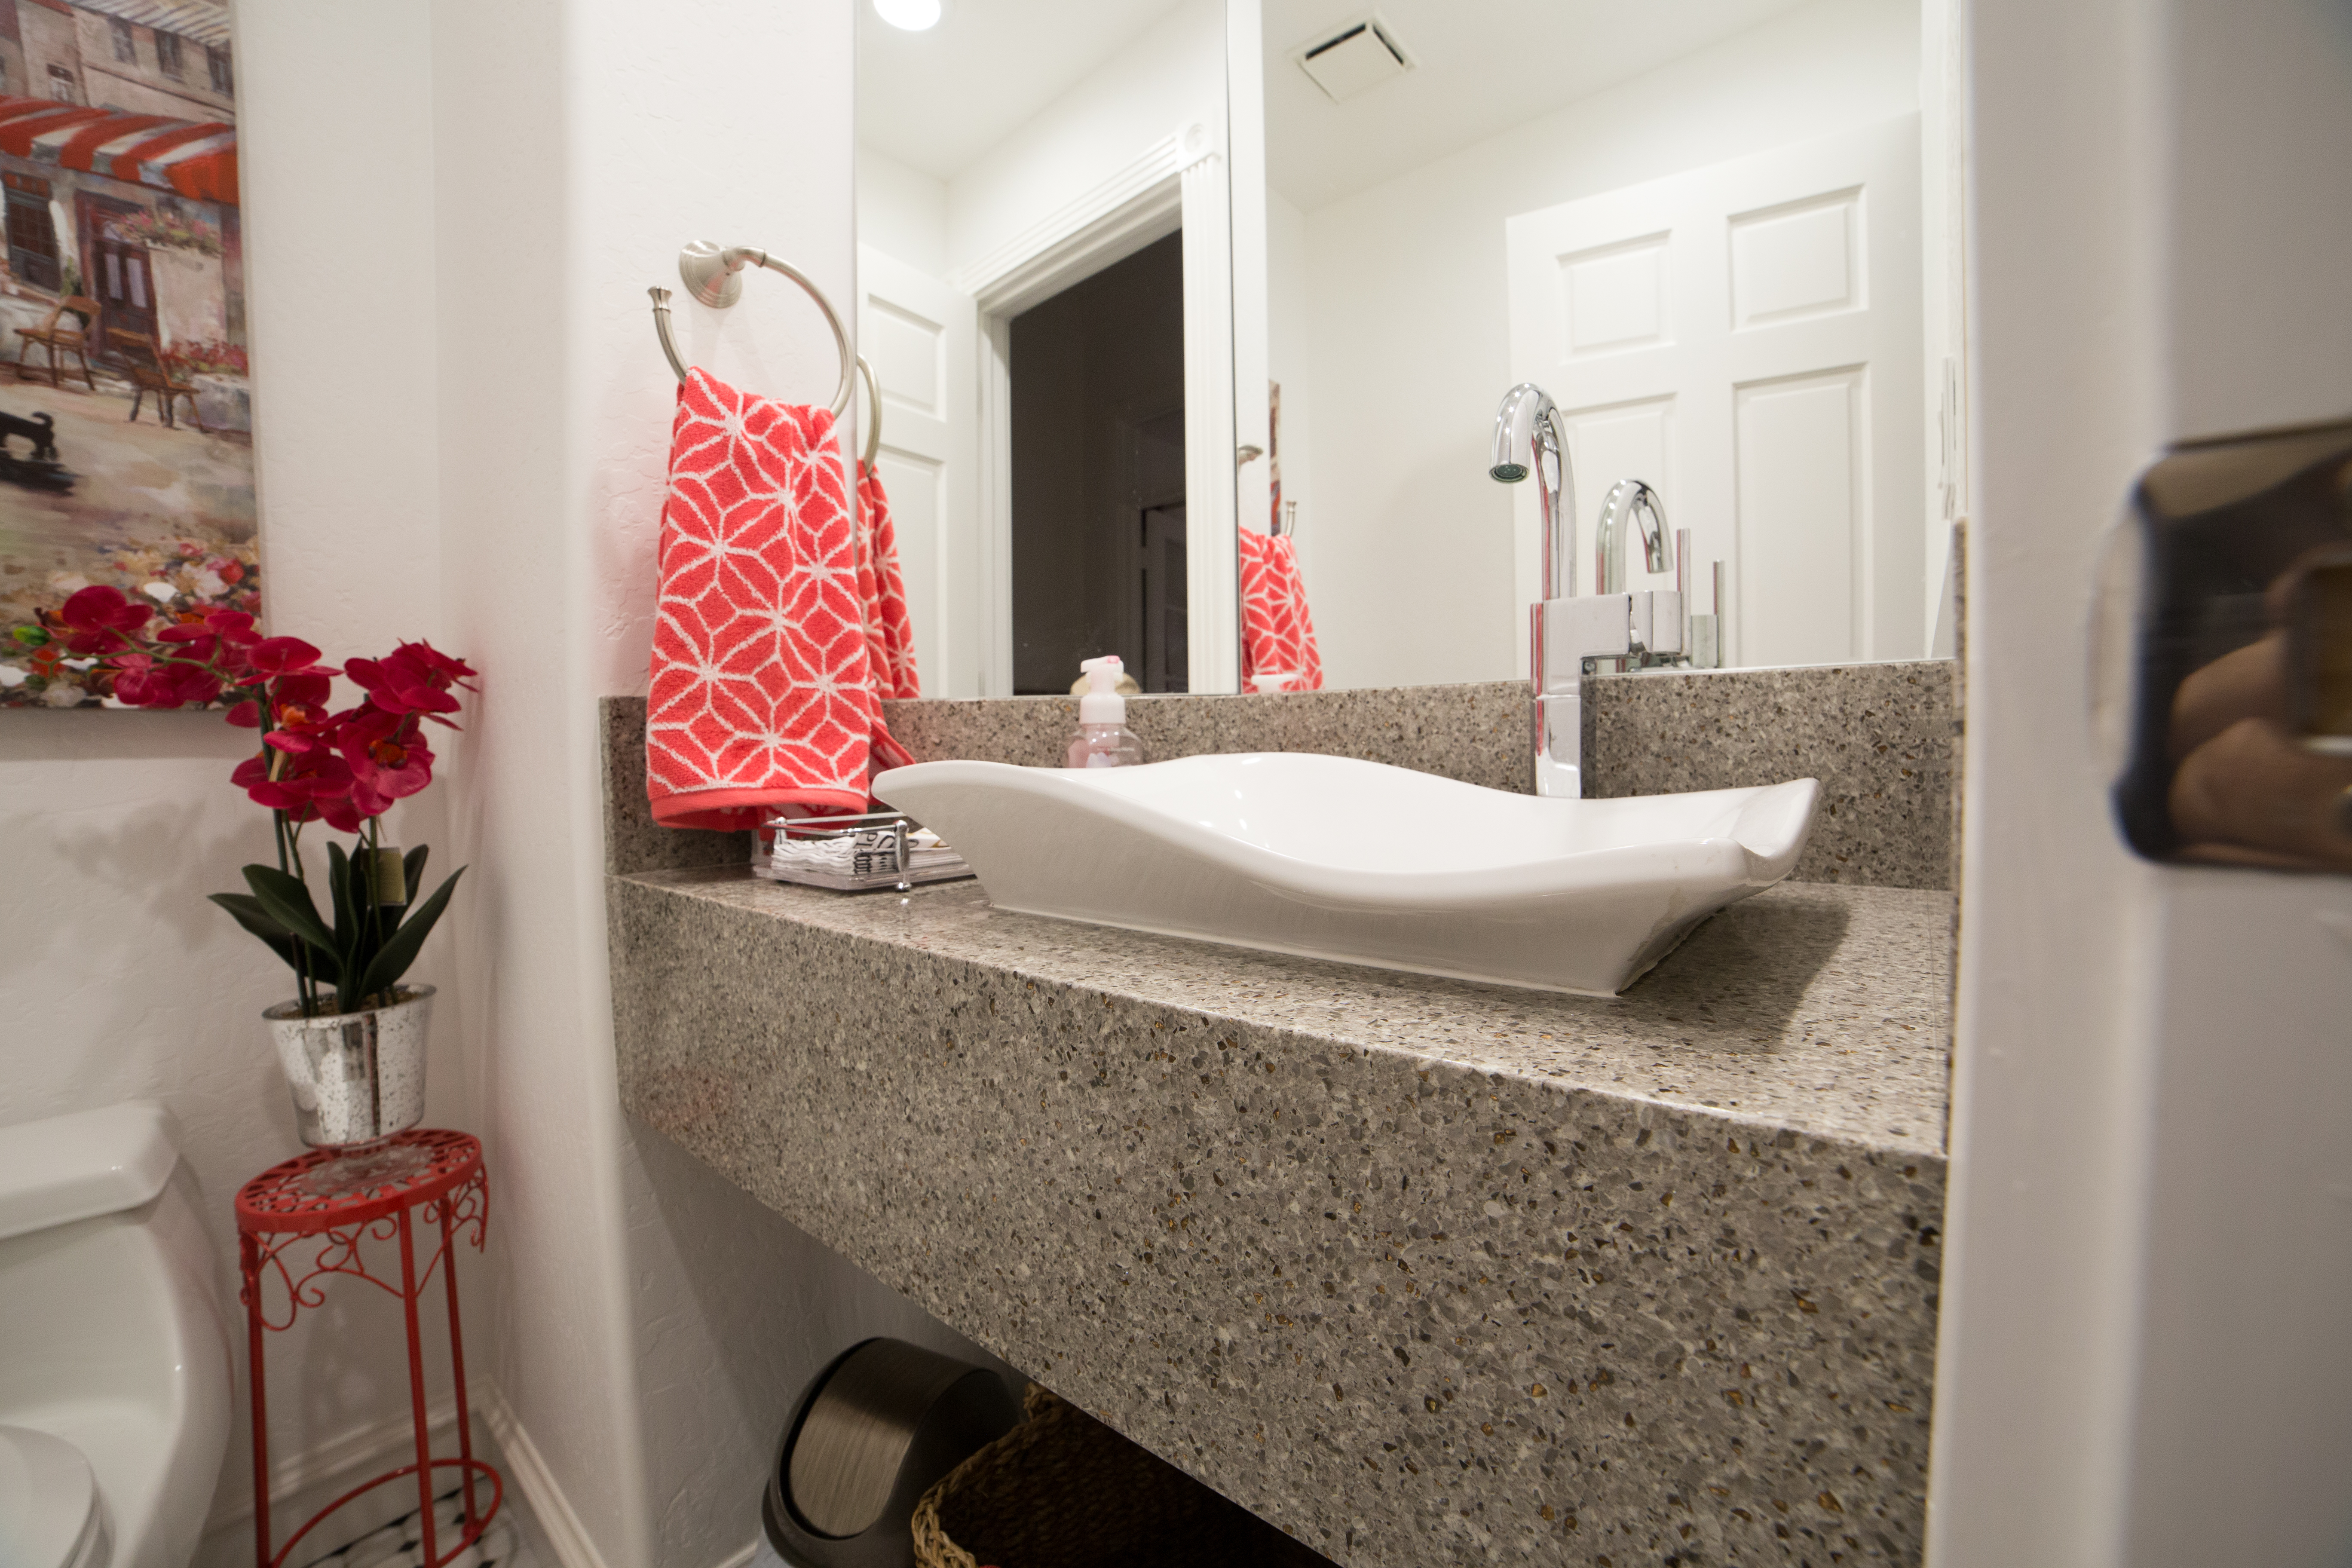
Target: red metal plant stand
[341,1199]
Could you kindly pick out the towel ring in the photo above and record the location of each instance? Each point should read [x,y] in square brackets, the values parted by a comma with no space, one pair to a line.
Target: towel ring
[712,275]
[873,415]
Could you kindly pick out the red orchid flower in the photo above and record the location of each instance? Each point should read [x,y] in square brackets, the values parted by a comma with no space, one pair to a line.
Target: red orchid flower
[101,609]
[439,667]
[307,788]
[233,627]
[388,758]
[142,682]
[286,656]
[400,682]
[191,642]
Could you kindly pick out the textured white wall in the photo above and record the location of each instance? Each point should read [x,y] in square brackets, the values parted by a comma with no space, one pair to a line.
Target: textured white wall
[2149,1229]
[120,980]
[1171,77]
[518,566]
[1405,543]
[655,1325]
[463,420]
[902,212]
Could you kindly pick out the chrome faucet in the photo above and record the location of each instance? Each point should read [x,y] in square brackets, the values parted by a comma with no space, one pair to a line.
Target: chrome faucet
[1564,631]
[1628,500]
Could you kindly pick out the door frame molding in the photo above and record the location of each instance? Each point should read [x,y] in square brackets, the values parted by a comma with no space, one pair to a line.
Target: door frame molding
[1179,182]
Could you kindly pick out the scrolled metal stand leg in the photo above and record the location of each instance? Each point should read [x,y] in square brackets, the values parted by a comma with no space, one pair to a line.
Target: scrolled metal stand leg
[474,1519]
[408,1294]
[249,1265]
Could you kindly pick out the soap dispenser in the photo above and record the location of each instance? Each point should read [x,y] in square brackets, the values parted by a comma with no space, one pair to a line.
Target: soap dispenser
[1103,739]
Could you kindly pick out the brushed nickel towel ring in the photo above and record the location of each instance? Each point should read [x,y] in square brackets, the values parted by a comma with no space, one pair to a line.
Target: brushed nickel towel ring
[873,415]
[712,275]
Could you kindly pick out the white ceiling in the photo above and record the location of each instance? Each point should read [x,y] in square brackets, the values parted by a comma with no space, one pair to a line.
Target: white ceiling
[939,100]
[1482,67]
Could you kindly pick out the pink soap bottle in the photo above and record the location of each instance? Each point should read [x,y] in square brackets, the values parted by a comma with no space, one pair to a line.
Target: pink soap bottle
[1103,739]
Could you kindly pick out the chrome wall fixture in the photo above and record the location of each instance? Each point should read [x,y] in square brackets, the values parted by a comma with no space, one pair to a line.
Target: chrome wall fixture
[712,274]
[873,416]
[2225,668]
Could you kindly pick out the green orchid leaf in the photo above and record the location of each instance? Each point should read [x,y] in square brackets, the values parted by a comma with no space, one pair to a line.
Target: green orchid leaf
[339,889]
[286,900]
[350,954]
[412,866]
[391,961]
[249,913]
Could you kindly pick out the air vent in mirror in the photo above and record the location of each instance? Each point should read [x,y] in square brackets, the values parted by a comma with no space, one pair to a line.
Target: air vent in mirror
[1354,57]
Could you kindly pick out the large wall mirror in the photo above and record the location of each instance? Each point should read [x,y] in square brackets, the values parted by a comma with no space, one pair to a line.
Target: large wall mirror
[1136,275]
[1045,280]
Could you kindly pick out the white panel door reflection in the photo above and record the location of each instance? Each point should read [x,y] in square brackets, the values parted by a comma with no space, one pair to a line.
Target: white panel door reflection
[1633,439]
[1746,338]
[922,338]
[1797,452]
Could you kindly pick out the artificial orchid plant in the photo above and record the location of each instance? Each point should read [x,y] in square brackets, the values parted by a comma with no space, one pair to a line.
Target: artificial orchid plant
[342,767]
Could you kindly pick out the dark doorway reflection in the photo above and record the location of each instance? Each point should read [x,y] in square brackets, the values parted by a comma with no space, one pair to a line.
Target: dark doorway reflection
[1098,476]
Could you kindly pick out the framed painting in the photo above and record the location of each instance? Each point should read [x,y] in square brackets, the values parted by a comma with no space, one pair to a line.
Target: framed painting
[126,426]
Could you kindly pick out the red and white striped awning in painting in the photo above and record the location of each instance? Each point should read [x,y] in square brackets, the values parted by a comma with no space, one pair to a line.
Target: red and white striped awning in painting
[184,157]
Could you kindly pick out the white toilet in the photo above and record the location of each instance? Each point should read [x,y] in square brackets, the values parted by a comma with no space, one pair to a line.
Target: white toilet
[114,1368]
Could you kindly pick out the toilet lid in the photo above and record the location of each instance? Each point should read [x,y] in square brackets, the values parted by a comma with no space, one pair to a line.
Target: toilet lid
[51,1515]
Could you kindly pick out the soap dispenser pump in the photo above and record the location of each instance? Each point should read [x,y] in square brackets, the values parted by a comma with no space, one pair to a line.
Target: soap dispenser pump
[1103,739]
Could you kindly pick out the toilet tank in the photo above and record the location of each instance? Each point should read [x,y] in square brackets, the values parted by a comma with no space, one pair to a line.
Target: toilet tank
[115,1339]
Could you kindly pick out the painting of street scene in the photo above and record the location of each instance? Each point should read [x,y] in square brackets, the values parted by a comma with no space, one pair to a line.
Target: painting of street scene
[126,426]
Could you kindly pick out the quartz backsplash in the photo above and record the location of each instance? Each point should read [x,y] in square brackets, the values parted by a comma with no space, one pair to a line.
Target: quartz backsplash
[1883,740]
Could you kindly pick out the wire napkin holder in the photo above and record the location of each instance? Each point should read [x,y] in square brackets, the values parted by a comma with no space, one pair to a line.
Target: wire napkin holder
[854,854]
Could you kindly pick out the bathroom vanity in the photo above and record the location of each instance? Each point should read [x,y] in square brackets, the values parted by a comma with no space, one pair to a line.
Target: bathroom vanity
[1422,1272]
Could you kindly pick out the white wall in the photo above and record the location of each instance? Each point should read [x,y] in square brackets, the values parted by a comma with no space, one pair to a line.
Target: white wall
[1289,354]
[902,212]
[650,1332]
[1405,543]
[1943,305]
[120,979]
[1170,76]
[2150,1233]
[463,421]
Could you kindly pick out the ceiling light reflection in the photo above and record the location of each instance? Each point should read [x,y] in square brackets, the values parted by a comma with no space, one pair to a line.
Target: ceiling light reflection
[914,15]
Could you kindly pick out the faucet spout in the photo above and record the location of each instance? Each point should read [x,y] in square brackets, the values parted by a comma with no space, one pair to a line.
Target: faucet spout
[1566,633]
[1630,501]
[1530,437]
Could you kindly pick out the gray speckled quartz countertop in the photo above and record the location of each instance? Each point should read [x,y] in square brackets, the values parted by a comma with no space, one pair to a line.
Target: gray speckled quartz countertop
[1423,1271]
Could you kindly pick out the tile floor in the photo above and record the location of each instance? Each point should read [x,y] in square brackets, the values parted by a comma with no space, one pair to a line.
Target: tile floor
[401,1544]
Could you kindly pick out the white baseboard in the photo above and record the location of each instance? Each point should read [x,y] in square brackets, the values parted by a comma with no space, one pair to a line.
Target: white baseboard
[301,1482]
[567,1537]
[380,1446]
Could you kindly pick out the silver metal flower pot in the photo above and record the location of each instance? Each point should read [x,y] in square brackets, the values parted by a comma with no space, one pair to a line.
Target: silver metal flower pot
[358,1078]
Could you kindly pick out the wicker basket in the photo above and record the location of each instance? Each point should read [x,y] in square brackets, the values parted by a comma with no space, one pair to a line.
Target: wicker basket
[1062,1490]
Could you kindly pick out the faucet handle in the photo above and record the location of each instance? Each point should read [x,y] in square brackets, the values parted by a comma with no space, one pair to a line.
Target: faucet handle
[1567,632]
[1656,619]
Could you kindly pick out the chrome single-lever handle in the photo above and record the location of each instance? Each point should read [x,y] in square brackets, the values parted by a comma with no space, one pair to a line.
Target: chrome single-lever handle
[1563,635]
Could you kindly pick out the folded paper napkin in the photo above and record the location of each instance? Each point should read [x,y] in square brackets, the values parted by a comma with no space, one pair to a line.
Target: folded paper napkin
[889,629]
[1278,652]
[763,691]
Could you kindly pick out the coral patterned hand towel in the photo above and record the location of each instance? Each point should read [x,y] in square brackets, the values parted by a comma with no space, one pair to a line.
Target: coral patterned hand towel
[889,629]
[1278,652]
[762,693]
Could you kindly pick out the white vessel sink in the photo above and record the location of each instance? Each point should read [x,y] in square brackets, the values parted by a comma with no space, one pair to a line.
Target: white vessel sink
[1356,861]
